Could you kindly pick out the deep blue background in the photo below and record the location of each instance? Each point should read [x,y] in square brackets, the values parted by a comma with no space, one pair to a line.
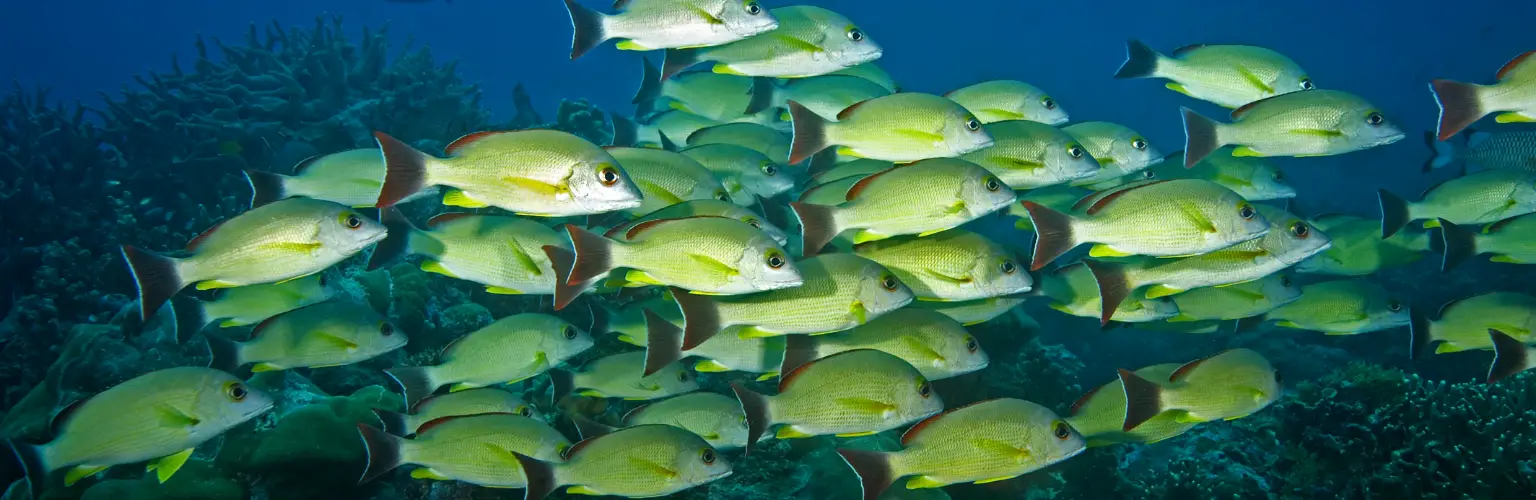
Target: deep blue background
[1382,49]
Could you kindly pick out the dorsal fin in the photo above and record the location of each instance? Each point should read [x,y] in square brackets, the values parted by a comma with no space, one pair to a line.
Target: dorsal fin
[1447,308]
[858,187]
[443,354]
[618,230]
[416,408]
[643,226]
[1434,186]
[62,416]
[620,4]
[1187,48]
[580,445]
[1184,370]
[440,219]
[848,111]
[1110,198]
[306,163]
[634,413]
[1495,227]
[1244,109]
[788,380]
[1087,200]
[1077,406]
[907,437]
[468,139]
[202,237]
[262,326]
[1513,63]
[423,428]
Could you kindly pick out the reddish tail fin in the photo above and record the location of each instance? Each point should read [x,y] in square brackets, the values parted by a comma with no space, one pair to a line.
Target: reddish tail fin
[593,255]
[156,276]
[1459,106]
[266,187]
[1143,399]
[873,469]
[818,225]
[678,60]
[394,422]
[561,261]
[756,408]
[1053,233]
[541,477]
[798,350]
[587,27]
[1510,356]
[382,450]
[701,317]
[663,342]
[1140,61]
[415,383]
[810,133]
[405,170]
[1200,138]
[1113,287]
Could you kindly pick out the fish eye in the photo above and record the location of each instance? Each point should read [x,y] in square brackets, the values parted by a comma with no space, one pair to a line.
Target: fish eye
[752,221]
[890,283]
[1148,174]
[769,169]
[1306,84]
[754,9]
[1075,150]
[386,329]
[708,456]
[722,195]
[1285,281]
[1139,143]
[1279,176]
[569,332]
[608,175]
[1048,102]
[354,222]
[1279,380]
[924,388]
[1246,211]
[1375,118]
[993,184]
[524,411]
[236,391]
[1061,430]
[1009,267]
[973,124]
[856,34]
[1301,230]
[682,376]
[970,343]
[1394,306]
[775,260]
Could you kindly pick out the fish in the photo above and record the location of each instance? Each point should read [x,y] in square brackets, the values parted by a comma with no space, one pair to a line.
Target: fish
[840,291]
[1227,385]
[272,243]
[466,402]
[861,168]
[1342,307]
[904,127]
[544,173]
[1236,301]
[1119,150]
[973,312]
[1462,104]
[921,198]
[1510,356]
[352,178]
[619,376]
[746,175]
[1290,240]
[872,72]
[1100,414]
[666,178]
[1476,198]
[1479,150]
[159,417]
[331,333]
[953,265]
[852,393]
[1006,100]
[663,339]
[476,449]
[1162,218]
[771,143]
[1031,155]
[1255,179]
[656,130]
[1311,123]
[704,254]
[511,349]
[718,97]
[1229,76]
[1059,197]
[502,252]
[1073,289]
[709,208]
[715,417]
[989,441]
[825,95]
[668,24]
[252,304]
[637,462]
[1511,241]
[1463,324]
[937,345]
[809,41]
[1359,250]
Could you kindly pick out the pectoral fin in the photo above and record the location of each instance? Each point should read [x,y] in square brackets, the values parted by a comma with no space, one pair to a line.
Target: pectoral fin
[172,417]
[1318,132]
[860,314]
[767,376]
[1254,80]
[1195,217]
[919,135]
[710,366]
[1157,291]
[713,265]
[333,340]
[866,405]
[958,280]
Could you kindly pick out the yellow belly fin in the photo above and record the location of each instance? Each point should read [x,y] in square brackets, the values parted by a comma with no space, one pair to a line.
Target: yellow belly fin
[631,45]
[924,482]
[724,69]
[501,290]
[1513,118]
[790,432]
[266,367]
[996,479]
[710,366]
[167,466]
[433,266]
[583,490]
[635,276]
[1178,87]
[1246,151]
[214,284]
[426,473]
[1102,250]
[1158,291]
[456,198]
[767,376]
[81,472]
[462,386]
[856,434]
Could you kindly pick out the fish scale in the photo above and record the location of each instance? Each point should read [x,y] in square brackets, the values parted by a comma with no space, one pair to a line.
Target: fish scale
[506,351]
[770,54]
[990,440]
[1029,155]
[715,417]
[636,462]
[1253,259]
[308,337]
[1479,198]
[824,303]
[1100,415]
[951,265]
[661,251]
[1236,301]
[1464,324]
[1213,72]
[1503,150]
[930,194]
[760,138]
[619,376]
[666,178]
[246,246]
[929,340]
[478,449]
[825,396]
[495,251]
[1344,307]
[1149,219]
[1228,385]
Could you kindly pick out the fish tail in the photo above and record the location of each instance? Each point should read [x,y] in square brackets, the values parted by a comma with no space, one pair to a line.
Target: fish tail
[1510,356]
[810,133]
[625,131]
[1143,399]
[266,187]
[677,60]
[1201,137]
[394,422]
[1247,324]
[762,95]
[562,383]
[663,342]
[540,474]
[756,408]
[1445,153]
[415,383]
[1456,244]
[820,163]
[701,317]
[1114,287]
[798,350]
[382,450]
[191,317]
[873,469]
[405,170]
[1460,106]
[1053,233]
[157,276]
[588,429]
[587,27]
[1140,61]
[818,225]
[1420,333]
[1394,213]
[225,353]
[650,82]
[594,255]
[561,260]
[397,239]
[34,463]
